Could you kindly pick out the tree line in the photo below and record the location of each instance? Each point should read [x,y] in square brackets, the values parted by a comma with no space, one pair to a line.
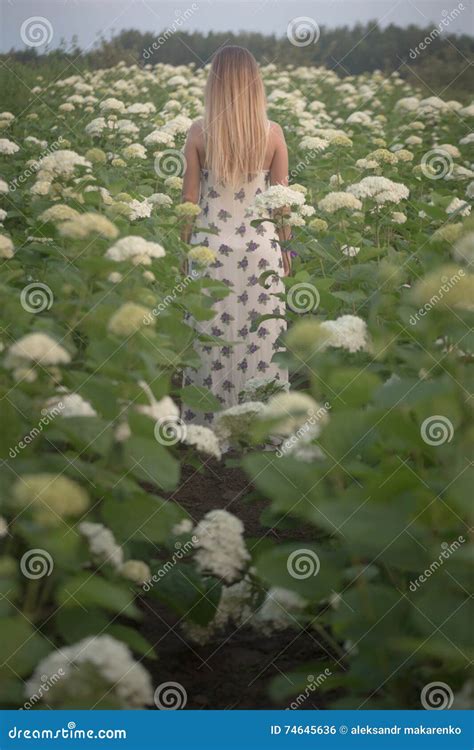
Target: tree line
[440,62]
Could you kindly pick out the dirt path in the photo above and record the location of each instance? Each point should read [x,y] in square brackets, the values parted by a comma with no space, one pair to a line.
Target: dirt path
[234,671]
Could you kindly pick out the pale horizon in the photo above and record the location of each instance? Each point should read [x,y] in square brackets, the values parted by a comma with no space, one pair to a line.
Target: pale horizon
[89,19]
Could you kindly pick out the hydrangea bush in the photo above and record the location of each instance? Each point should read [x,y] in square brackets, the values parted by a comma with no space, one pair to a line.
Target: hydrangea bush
[371,441]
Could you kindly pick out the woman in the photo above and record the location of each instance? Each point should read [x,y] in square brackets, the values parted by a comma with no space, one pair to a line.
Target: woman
[233,154]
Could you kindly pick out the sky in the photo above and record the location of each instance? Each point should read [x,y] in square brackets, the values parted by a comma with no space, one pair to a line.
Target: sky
[87,19]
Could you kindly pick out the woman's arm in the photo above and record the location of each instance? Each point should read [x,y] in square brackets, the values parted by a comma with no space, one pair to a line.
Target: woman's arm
[192,174]
[279,176]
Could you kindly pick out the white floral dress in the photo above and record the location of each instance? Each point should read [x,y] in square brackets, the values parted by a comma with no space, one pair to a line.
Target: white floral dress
[243,254]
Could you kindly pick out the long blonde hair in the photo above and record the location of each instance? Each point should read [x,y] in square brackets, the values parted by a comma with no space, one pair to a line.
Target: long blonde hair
[235,118]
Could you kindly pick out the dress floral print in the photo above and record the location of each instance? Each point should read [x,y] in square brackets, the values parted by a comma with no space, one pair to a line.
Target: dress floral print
[243,253]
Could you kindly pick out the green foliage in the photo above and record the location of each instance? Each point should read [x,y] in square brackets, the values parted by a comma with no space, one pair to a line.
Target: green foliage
[379,504]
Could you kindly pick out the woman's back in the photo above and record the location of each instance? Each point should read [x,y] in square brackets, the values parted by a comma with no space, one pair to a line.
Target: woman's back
[228,163]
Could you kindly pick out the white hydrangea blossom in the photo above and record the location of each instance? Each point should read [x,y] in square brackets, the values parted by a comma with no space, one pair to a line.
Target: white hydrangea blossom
[8,147]
[71,405]
[112,105]
[278,611]
[139,209]
[278,196]
[350,251]
[347,332]
[160,199]
[104,656]
[234,608]
[37,347]
[380,189]
[462,208]
[234,423]
[61,163]
[134,246]
[163,409]
[204,439]
[261,388]
[6,247]
[339,200]
[313,143]
[293,410]
[158,138]
[102,544]
[221,549]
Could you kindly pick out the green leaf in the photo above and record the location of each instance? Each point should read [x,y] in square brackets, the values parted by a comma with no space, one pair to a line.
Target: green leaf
[151,462]
[308,569]
[91,590]
[132,638]
[199,398]
[21,647]
[186,592]
[141,517]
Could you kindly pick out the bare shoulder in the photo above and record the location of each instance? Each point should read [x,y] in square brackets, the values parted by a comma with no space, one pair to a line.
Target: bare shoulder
[276,132]
[196,132]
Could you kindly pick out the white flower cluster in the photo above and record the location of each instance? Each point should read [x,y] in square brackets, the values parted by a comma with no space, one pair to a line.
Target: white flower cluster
[136,249]
[71,404]
[292,410]
[87,665]
[102,544]
[104,549]
[339,200]
[163,409]
[203,439]
[380,189]
[275,202]
[221,549]
[61,163]
[8,147]
[278,611]
[38,348]
[261,389]
[277,196]
[234,608]
[347,332]
[233,424]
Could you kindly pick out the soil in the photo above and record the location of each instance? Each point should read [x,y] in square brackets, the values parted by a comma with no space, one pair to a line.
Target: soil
[234,671]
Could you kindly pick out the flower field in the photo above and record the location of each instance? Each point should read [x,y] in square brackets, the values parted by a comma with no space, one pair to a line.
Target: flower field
[364,504]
